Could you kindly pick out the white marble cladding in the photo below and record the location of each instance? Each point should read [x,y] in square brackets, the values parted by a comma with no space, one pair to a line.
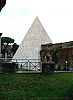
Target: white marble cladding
[31,45]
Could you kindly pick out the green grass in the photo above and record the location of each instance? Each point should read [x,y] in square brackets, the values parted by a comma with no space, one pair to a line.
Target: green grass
[35,86]
[23,69]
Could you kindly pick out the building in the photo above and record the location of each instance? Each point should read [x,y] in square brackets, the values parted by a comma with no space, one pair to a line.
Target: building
[60,53]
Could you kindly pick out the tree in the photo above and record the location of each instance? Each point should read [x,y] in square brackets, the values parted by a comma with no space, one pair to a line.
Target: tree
[7,40]
[2,4]
[14,48]
[54,55]
[6,48]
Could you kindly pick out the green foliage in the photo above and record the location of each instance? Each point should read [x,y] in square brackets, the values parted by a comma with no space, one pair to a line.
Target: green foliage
[6,48]
[23,69]
[52,66]
[4,44]
[2,4]
[14,48]
[48,68]
[54,55]
[35,86]
[7,40]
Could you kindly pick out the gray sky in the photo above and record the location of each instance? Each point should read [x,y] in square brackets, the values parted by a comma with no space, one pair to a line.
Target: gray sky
[55,15]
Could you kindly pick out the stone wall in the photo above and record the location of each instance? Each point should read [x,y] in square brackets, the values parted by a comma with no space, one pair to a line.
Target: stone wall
[64,52]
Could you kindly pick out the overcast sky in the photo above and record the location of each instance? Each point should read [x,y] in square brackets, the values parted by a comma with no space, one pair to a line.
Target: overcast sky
[56,16]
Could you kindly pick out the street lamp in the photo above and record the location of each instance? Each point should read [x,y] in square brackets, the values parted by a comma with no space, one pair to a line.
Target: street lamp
[66,64]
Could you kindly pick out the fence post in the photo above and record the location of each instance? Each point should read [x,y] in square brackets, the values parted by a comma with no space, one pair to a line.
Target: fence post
[28,65]
[16,60]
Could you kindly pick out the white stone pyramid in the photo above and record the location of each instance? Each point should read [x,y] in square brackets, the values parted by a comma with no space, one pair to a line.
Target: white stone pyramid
[31,45]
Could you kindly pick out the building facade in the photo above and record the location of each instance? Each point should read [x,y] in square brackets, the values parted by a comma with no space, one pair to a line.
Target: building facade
[60,53]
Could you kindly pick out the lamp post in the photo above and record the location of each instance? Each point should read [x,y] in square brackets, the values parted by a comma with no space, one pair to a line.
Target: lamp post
[66,65]
[0,44]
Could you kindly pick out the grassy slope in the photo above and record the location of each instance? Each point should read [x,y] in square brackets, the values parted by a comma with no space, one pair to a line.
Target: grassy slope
[35,86]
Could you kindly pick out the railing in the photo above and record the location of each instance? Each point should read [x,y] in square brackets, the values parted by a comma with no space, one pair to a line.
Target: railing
[35,65]
[24,65]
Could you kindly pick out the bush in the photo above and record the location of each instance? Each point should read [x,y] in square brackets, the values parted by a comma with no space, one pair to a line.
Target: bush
[48,67]
[52,66]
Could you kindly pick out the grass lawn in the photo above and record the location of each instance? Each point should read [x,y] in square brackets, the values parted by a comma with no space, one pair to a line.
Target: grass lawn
[36,86]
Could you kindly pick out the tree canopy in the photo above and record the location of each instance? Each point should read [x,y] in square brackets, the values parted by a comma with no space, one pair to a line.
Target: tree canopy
[7,47]
[7,40]
[54,55]
[14,48]
[2,4]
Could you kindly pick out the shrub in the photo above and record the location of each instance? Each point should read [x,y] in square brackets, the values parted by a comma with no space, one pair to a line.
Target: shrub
[52,66]
[48,67]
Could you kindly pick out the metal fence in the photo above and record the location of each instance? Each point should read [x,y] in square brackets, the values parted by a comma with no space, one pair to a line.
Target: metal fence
[34,65]
[24,65]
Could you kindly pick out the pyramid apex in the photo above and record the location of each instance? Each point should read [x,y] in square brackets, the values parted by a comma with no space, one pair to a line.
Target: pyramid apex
[36,18]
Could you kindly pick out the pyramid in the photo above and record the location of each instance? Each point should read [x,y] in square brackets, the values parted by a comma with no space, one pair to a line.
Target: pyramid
[31,44]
